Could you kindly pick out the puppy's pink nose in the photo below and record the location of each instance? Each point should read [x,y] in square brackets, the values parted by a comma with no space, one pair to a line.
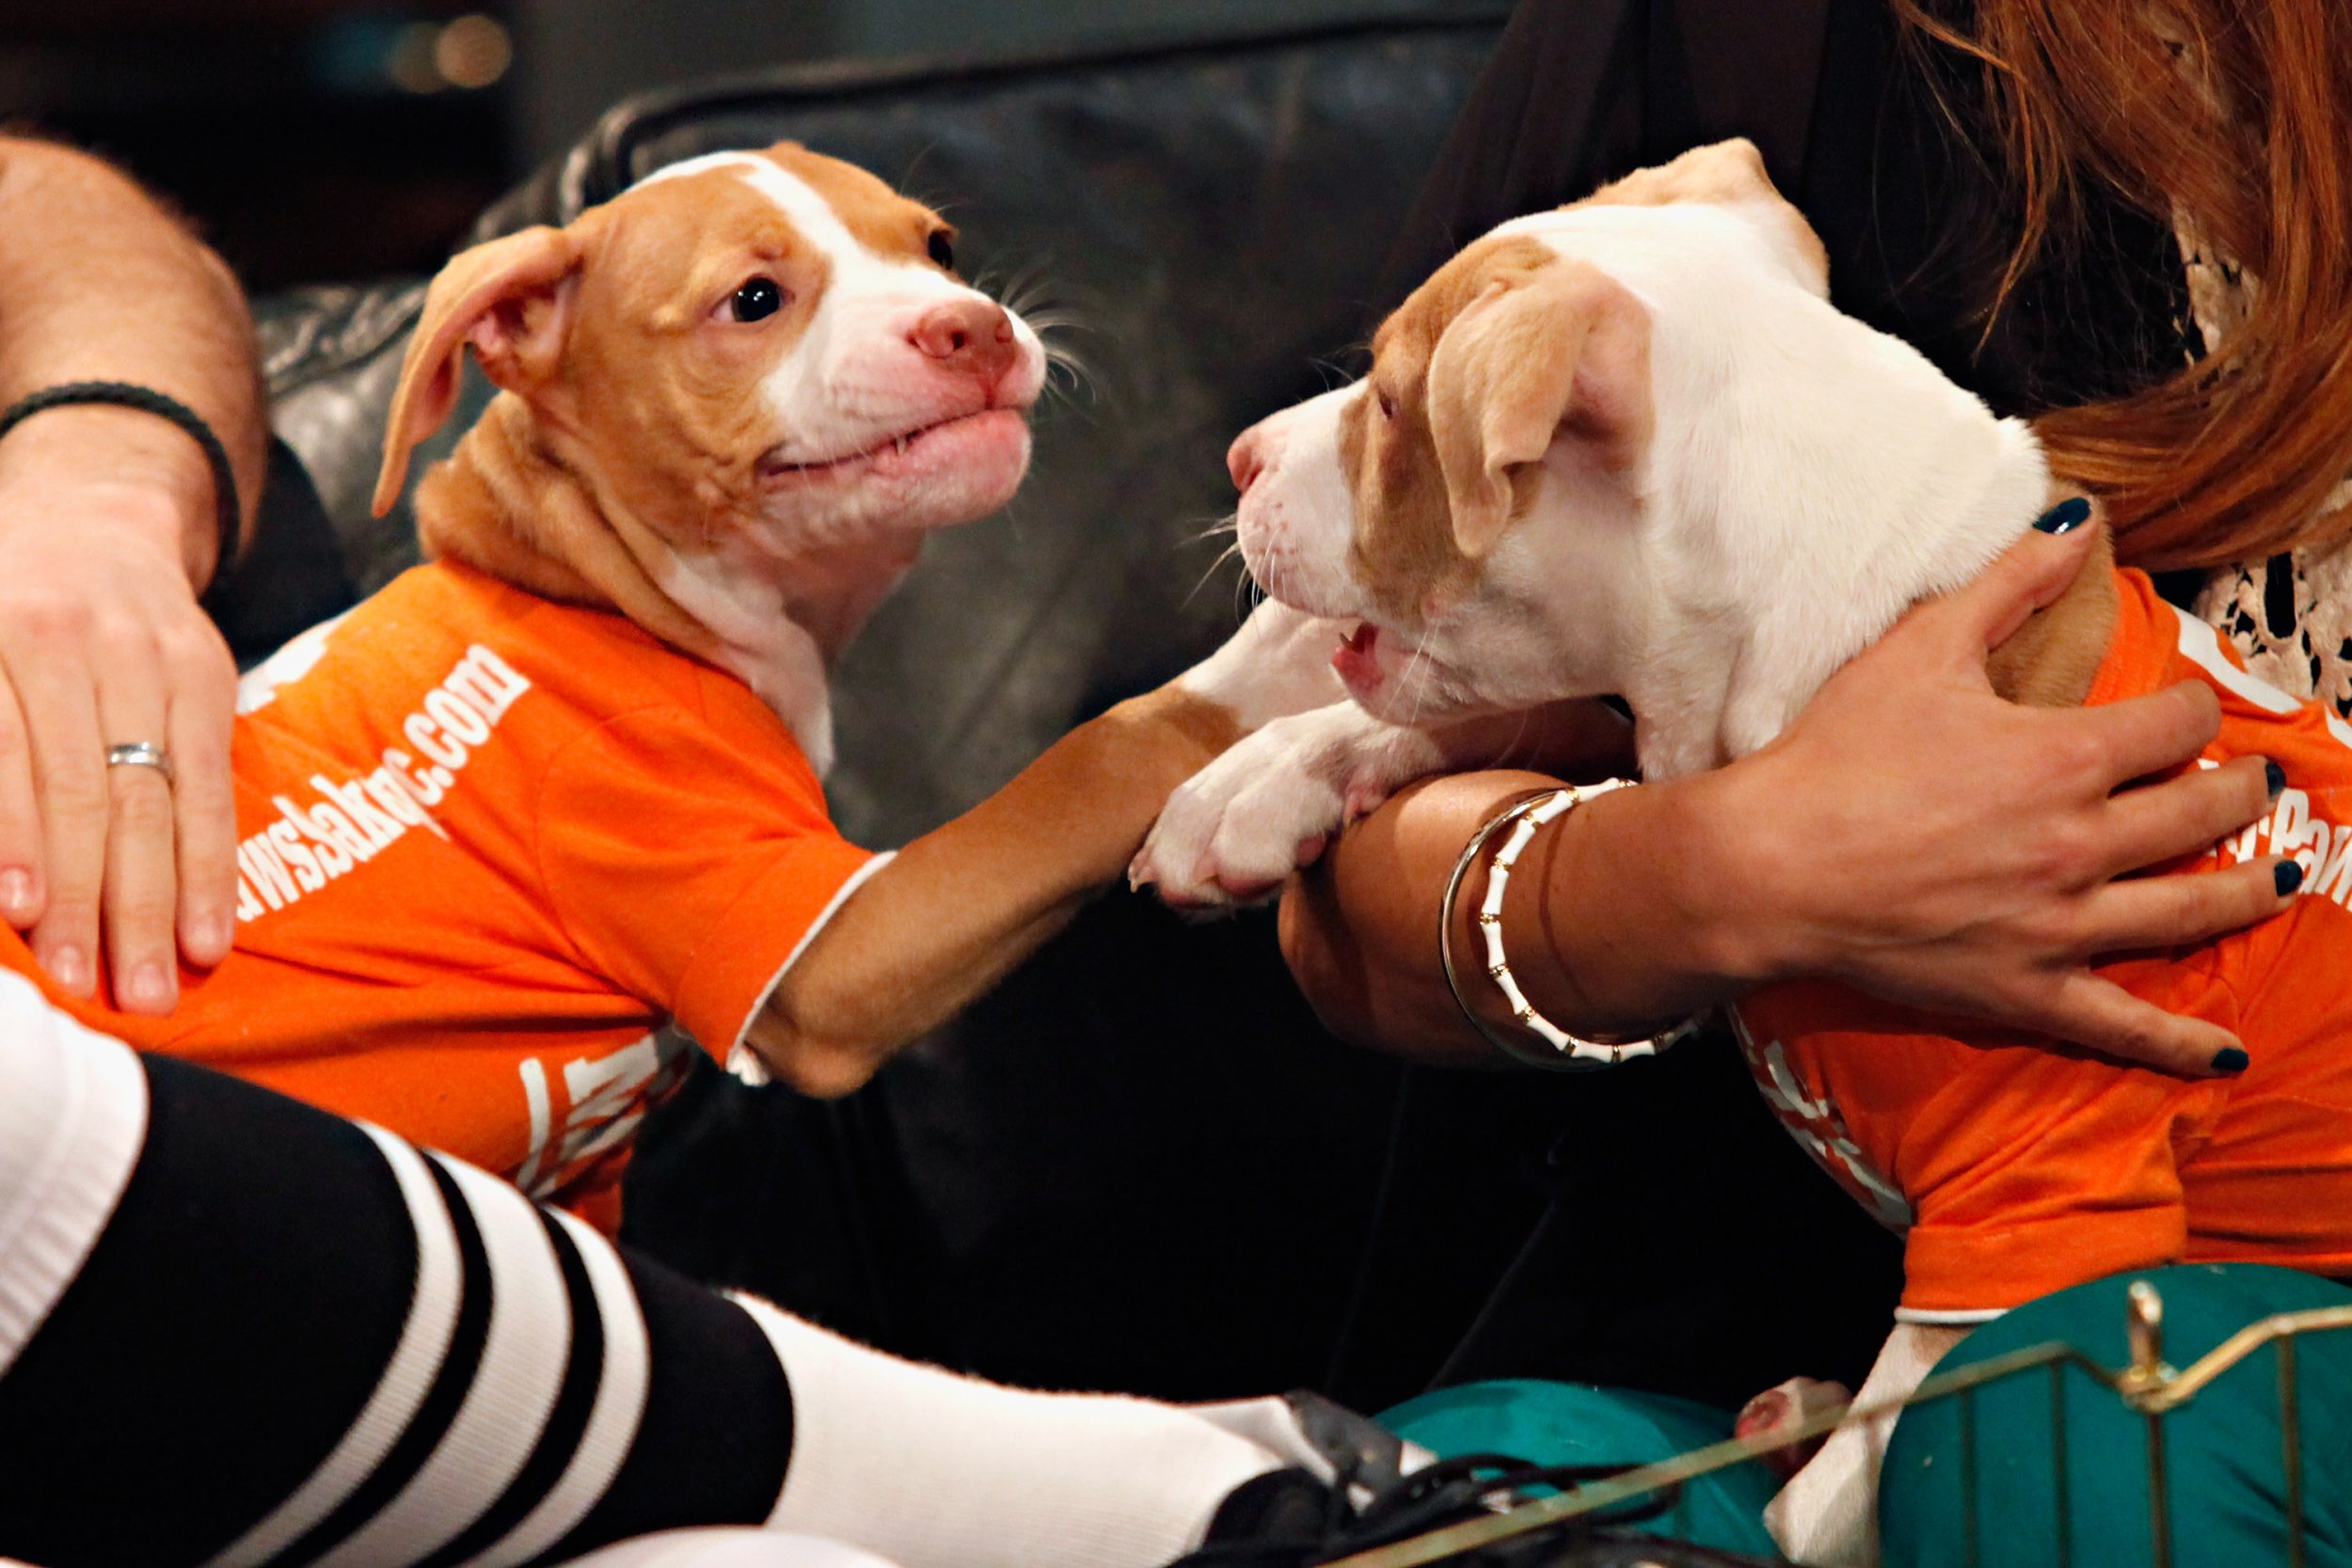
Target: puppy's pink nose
[968,337]
[1244,460]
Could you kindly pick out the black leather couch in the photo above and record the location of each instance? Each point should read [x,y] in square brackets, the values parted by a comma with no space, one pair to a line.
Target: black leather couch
[1141,1163]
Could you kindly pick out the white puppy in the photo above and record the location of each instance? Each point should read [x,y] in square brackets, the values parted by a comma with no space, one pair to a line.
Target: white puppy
[1628,447]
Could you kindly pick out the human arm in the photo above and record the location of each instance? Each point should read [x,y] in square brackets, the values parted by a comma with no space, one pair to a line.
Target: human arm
[1912,835]
[108,533]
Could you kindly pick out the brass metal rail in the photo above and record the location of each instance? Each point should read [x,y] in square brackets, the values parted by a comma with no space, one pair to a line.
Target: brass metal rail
[2147,1385]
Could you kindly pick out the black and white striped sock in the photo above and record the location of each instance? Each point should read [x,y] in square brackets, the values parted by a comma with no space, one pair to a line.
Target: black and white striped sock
[261,1334]
[932,1470]
[237,1331]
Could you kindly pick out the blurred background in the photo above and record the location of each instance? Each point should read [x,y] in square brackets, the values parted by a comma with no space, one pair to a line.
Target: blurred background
[350,138]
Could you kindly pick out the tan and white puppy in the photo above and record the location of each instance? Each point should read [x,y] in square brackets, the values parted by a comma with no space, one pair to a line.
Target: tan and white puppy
[885,398]
[733,402]
[1627,447]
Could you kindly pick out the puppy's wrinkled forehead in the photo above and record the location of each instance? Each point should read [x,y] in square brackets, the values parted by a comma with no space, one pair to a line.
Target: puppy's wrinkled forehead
[1524,328]
[783,203]
[1405,547]
[1405,339]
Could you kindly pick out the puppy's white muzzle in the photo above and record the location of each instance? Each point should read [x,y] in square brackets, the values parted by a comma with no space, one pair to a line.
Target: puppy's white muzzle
[1297,512]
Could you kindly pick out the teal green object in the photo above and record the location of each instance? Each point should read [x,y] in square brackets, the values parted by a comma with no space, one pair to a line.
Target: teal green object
[1573,1423]
[2224,1463]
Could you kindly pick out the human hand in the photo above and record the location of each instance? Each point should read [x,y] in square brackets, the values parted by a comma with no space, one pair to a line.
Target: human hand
[1918,837]
[101,643]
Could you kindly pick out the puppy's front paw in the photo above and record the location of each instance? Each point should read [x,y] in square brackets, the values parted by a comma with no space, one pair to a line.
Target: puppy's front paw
[1235,831]
[1238,827]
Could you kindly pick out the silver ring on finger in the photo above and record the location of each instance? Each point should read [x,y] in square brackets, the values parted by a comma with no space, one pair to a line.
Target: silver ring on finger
[142,753]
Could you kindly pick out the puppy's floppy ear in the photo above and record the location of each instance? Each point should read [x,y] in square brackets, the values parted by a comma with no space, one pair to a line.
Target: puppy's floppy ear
[1558,350]
[509,298]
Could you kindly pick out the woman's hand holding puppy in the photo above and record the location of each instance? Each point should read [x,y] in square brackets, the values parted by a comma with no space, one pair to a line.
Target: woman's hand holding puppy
[1912,835]
[1945,849]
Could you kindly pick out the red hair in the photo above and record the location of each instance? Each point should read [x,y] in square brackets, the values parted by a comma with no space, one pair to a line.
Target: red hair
[2246,138]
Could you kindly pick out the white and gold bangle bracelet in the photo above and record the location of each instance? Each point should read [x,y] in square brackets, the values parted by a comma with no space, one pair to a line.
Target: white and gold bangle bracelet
[1568,1051]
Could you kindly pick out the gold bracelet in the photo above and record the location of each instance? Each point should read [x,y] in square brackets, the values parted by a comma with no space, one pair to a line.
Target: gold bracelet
[1561,1051]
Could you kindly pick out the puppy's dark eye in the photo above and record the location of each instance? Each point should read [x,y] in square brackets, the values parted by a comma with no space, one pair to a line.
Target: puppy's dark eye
[943,250]
[756,300]
[1387,403]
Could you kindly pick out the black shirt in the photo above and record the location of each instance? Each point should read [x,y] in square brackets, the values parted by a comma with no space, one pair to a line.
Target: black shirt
[1852,119]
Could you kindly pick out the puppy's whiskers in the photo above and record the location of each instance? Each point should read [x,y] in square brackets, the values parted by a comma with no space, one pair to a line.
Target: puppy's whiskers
[905,183]
[1414,663]
[1230,551]
[1026,289]
[1229,523]
[1418,662]
[1212,569]
[1068,374]
[1071,377]
[1348,365]
[1029,295]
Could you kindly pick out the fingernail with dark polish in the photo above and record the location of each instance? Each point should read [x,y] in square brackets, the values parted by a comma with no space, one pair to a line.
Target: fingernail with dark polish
[2286,876]
[16,893]
[2065,517]
[2230,1059]
[2275,777]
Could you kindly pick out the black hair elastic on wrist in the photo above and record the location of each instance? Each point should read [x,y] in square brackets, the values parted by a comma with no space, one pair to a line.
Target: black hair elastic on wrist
[146,399]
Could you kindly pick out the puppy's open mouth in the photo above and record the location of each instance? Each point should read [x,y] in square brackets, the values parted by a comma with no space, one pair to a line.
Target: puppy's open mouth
[906,446]
[1356,658]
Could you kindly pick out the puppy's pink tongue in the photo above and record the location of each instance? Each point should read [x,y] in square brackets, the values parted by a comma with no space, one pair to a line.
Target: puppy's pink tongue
[1353,659]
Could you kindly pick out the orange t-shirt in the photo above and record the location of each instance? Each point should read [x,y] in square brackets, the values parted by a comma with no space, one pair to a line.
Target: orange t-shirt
[2013,1169]
[489,845]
